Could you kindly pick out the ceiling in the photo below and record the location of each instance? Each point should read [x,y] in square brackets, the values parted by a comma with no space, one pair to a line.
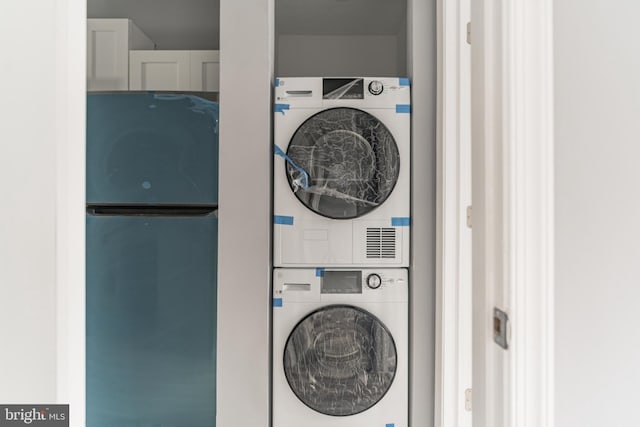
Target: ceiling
[194,24]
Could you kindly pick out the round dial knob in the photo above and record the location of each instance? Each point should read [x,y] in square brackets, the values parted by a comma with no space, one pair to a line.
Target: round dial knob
[374,281]
[375,87]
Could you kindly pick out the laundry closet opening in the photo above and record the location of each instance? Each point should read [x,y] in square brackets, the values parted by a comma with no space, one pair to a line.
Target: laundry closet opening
[353,337]
[151,220]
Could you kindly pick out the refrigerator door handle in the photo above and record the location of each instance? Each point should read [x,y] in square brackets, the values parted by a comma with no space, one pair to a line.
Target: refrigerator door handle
[156,210]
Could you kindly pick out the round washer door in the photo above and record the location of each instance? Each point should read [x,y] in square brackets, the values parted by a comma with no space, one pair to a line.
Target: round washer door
[340,360]
[351,159]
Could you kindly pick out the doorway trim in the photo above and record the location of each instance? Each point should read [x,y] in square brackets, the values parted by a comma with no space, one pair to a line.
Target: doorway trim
[453,267]
[513,200]
[71,36]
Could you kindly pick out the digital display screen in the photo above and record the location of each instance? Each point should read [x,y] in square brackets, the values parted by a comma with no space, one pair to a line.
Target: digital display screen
[342,88]
[341,282]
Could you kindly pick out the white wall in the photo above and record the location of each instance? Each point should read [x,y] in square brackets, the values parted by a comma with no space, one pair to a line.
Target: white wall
[28,202]
[245,215]
[172,24]
[597,212]
[340,55]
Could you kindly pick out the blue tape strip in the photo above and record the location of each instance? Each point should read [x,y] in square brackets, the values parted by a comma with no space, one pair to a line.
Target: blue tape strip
[277,82]
[305,182]
[280,108]
[277,302]
[319,272]
[389,425]
[283,220]
[400,222]
[401,108]
[404,81]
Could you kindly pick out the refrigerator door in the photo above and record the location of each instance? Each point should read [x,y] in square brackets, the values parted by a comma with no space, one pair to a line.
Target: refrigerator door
[145,148]
[151,321]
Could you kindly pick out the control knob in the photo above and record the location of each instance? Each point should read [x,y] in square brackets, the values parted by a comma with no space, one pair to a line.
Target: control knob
[374,281]
[376,87]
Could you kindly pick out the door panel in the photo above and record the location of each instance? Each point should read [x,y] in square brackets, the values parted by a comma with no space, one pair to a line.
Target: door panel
[340,360]
[151,321]
[151,149]
[343,163]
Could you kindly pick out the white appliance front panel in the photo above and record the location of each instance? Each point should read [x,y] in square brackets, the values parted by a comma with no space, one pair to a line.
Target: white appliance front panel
[302,237]
[297,293]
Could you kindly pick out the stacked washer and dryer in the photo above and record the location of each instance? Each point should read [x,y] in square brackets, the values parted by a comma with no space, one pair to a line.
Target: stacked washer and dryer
[341,252]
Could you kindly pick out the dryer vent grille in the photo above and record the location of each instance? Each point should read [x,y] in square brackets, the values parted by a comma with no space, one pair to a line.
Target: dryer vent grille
[381,242]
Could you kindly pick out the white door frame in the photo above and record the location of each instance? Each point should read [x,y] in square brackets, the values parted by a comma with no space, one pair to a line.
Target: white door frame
[453,267]
[513,236]
[70,210]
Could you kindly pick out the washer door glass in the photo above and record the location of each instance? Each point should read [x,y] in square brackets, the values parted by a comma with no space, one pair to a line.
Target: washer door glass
[351,159]
[340,360]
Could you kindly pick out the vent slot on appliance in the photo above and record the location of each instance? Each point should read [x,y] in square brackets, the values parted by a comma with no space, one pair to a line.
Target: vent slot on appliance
[381,243]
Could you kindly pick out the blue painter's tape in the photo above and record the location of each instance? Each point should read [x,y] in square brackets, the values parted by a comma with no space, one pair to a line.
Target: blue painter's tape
[390,425]
[280,108]
[277,82]
[404,81]
[401,108]
[400,222]
[283,220]
[277,302]
[303,179]
[319,272]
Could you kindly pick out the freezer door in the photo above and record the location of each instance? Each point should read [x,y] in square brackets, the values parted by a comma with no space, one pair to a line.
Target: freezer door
[145,148]
[151,321]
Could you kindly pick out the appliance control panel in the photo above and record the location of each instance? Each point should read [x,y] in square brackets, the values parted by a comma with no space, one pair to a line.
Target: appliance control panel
[334,285]
[318,92]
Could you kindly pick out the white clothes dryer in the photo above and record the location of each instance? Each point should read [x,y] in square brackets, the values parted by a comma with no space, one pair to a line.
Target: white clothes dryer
[341,172]
[340,348]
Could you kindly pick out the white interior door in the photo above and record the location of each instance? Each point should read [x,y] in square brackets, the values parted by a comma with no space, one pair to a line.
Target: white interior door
[512,194]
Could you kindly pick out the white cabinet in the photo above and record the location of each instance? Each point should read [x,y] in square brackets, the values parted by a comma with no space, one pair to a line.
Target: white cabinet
[205,70]
[108,44]
[159,70]
[174,70]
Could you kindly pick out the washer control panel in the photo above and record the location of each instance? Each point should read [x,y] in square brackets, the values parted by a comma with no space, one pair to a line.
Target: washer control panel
[340,286]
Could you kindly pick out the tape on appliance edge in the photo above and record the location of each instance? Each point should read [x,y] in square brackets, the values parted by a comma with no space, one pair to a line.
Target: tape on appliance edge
[283,220]
[280,108]
[401,222]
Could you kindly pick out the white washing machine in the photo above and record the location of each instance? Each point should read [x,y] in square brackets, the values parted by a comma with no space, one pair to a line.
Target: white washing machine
[341,172]
[340,348]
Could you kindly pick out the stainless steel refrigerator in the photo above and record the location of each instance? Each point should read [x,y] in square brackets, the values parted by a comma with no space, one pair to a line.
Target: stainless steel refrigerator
[152,199]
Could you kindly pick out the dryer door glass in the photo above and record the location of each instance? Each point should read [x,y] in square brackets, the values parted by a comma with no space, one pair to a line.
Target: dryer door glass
[340,360]
[351,159]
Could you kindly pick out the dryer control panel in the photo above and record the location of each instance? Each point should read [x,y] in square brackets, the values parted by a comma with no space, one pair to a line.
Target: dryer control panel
[314,92]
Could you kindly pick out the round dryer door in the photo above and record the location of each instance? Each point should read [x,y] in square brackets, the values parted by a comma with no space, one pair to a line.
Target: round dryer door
[340,360]
[351,160]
